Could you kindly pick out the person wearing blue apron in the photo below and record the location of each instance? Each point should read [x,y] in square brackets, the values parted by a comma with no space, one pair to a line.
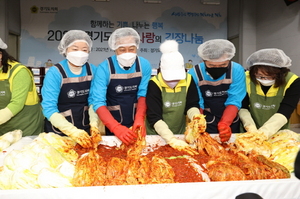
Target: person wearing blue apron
[171,95]
[73,106]
[221,87]
[120,85]
[272,92]
[19,102]
[66,90]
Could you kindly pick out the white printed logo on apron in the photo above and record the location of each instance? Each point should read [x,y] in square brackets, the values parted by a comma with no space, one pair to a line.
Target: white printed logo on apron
[71,93]
[167,104]
[268,107]
[208,93]
[257,105]
[119,89]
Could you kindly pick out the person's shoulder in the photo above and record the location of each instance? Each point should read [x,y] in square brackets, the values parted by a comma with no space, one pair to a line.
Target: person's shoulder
[192,70]
[142,59]
[296,78]
[145,64]
[19,68]
[16,64]
[104,63]
[154,83]
[293,74]
[54,72]
[237,66]
[93,67]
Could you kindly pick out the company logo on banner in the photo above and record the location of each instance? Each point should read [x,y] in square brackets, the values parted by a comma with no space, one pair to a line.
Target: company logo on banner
[189,22]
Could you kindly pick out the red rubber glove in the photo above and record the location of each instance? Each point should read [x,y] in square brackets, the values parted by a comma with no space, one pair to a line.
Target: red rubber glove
[122,132]
[139,119]
[228,116]
[201,110]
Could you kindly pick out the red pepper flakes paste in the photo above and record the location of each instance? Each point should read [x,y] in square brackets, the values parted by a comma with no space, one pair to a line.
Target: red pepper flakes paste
[107,152]
[184,172]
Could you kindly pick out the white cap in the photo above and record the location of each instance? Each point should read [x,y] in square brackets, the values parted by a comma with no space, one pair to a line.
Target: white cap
[269,57]
[2,44]
[216,50]
[171,61]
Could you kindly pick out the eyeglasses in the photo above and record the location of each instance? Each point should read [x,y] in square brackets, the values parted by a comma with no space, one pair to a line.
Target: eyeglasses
[264,77]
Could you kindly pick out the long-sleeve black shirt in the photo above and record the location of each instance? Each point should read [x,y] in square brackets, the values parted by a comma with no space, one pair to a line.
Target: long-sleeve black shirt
[155,103]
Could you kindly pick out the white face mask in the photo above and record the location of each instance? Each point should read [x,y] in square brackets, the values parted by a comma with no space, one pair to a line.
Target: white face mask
[126,59]
[78,58]
[266,82]
[172,84]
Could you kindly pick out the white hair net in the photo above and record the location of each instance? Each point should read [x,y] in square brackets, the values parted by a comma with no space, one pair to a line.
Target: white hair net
[70,37]
[124,37]
[2,44]
[216,50]
[269,57]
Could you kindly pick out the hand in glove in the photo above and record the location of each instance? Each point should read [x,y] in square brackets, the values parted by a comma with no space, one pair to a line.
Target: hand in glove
[78,135]
[273,125]
[247,120]
[228,116]
[182,146]
[125,134]
[195,114]
[94,127]
[224,131]
[200,122]
[6,115]
[139,120]
[163,130]
[94,119]
[122,132]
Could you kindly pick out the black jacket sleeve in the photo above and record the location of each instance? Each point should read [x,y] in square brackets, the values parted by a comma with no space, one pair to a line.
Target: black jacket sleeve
[245,102]
[154,103]
[290,100]
[192,97]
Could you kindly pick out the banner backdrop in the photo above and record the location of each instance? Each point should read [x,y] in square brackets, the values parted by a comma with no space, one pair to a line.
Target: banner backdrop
[188,21]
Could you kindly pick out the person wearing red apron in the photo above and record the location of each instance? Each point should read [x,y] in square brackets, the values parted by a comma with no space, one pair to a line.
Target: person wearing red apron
[120,85]
[272,92]
[221,87]
[19,102]
[66,90]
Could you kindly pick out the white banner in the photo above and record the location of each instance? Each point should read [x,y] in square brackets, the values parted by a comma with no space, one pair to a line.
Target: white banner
[188,21]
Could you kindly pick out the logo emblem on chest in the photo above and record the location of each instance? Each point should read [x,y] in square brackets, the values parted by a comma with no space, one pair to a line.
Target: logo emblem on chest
[167,104]
[119,89]
[71,93]
[208,93]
